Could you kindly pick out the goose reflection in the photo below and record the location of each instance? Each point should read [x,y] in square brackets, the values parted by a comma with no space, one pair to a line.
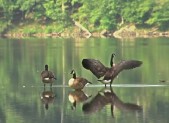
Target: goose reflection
[47,97]
[77,96]
[108,97]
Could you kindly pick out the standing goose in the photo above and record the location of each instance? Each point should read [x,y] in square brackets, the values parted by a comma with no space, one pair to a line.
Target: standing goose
[47,76]
[107,74]
[77,83]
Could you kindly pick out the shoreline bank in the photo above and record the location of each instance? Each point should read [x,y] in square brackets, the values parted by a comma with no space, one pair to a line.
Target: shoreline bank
[129,31]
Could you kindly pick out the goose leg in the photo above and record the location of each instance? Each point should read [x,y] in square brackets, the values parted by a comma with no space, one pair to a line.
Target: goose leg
[111,83]
[105,85]
[50,85]
[50,89]
[44,88]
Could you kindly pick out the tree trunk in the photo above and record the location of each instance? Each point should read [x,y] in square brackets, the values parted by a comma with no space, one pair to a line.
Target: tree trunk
[87,34]
[63,6]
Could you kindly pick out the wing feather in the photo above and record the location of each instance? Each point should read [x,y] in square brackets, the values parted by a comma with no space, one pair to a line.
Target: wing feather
[95,66]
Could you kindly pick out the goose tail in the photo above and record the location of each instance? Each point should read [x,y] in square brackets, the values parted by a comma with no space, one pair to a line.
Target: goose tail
[100,80]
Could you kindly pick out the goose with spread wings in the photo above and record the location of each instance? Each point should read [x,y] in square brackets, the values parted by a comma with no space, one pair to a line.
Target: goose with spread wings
[108,74]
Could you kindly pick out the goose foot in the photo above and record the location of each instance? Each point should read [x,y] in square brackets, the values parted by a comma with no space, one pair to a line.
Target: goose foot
[110,85]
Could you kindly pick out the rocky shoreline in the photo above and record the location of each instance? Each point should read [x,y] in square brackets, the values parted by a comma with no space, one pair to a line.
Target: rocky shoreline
[129,31]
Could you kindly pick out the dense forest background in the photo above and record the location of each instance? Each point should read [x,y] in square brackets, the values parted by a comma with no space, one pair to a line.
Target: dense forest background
[95,15]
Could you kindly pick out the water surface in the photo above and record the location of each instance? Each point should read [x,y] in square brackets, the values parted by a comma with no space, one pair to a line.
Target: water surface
[137,96]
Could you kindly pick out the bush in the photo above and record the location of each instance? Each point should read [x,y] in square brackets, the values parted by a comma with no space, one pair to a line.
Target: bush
[4,25]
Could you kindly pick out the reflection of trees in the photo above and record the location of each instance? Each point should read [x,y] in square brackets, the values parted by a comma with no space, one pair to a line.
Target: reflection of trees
[2,116]
[21,62]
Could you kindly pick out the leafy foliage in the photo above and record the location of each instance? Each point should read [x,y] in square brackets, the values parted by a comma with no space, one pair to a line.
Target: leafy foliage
[95,15]
[160,16]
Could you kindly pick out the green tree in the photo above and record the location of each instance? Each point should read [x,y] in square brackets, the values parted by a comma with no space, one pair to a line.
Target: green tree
[136,11]
[160,15]
[97,14]
[92,14]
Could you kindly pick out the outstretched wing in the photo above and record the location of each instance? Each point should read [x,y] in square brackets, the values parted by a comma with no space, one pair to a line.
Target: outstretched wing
[126,65]
[95,66]
[123,65]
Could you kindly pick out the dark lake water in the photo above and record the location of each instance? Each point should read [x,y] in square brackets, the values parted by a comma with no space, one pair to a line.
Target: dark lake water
[137,96]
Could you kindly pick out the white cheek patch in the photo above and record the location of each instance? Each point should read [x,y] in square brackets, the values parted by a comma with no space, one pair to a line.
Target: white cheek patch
[71,81]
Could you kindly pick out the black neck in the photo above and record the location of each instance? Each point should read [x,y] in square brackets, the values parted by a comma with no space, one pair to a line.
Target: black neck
[46,67]
[111,60]
[74,75]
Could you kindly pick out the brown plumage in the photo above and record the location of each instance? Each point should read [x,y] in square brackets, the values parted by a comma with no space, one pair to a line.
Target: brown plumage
[47,76]
[112,72]
[77,83]
[108,73]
